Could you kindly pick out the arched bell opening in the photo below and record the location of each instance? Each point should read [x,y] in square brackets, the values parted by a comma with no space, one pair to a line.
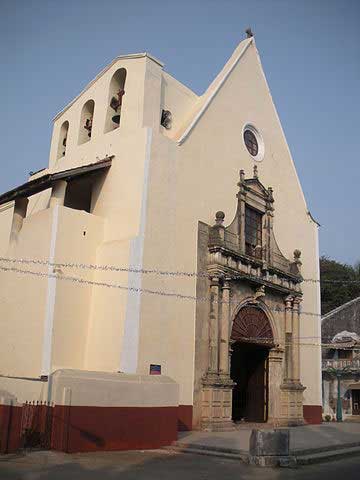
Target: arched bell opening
[251,338]
[115,100]
[86,122]
[62,140]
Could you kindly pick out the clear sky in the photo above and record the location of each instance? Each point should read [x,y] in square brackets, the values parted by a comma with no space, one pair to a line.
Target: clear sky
[310,50]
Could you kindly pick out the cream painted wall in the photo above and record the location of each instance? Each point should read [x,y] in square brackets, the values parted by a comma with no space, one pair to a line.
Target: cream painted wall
[82,314]
[193,181]
[23,301]
[78,235]
[6,216]
[145,213]
[178,99]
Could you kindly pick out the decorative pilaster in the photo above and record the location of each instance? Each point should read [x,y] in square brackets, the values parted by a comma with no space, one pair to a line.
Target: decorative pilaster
[241,195]
[291,396]
[214,325]
[216,402]
[224,332]
[295,360]
[275,360]
[288,338]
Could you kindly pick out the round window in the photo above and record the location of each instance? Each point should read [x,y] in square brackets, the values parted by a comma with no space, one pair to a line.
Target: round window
[253,142]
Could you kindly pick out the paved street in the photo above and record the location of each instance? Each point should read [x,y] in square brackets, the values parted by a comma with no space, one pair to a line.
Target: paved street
[158,465]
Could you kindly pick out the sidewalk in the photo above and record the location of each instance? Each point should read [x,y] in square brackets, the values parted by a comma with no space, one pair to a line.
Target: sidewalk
[308,443]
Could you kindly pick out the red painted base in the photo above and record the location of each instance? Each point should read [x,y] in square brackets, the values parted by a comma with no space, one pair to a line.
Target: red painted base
[185,418]
[85,429]
[312,414]
[82,428]
[10,425]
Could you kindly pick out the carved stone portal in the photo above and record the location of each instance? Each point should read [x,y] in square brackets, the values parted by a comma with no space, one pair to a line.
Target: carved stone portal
[243,258]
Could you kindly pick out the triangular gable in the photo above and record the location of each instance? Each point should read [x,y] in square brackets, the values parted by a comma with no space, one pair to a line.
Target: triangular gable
[244,57]
[205,99]
[256,186]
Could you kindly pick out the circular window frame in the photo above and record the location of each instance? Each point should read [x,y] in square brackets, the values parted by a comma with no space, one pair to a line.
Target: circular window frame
[261,148]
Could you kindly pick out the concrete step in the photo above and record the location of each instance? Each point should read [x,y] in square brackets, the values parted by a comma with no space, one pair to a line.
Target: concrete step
[304,457]
[222,453]
[213,448]
[327,448]
[328,455]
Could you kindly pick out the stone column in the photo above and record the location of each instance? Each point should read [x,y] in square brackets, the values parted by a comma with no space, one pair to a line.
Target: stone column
[295,360]
[224,332]
[291,391]
[214,325]
[275,373]
[216,385]
[20,209]
[58,193]
[288,338]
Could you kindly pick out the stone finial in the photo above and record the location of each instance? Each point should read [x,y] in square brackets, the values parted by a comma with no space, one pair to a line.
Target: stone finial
[297,255]
[219,217]
[242,176]
[255,171]
[260,292]
[297,261]
[249,33]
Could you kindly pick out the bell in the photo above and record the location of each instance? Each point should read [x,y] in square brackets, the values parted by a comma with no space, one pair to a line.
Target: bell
[116,119]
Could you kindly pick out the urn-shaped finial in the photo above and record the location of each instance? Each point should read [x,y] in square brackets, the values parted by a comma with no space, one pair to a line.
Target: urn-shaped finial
[219,218]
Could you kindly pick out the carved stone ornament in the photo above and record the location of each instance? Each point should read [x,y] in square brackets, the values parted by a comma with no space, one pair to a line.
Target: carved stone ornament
[252,325]
[237,251]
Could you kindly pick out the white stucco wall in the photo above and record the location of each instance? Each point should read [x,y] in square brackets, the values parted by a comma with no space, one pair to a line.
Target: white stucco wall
[145,213]
[191,182]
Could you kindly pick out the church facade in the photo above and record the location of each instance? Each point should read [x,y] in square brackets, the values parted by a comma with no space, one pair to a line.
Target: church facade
[168,235]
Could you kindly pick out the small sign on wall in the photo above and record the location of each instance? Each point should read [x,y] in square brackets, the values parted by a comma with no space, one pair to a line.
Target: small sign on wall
[155,369]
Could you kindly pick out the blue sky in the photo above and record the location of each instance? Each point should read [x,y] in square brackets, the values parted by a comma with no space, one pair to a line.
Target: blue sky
[310,50]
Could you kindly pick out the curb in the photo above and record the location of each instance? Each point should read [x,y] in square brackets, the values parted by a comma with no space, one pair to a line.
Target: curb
[300,457]
[329,455]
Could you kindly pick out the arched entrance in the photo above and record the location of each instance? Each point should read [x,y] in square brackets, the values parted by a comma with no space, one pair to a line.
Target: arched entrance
[251,338]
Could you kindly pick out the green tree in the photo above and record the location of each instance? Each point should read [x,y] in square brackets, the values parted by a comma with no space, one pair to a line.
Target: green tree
[339,283]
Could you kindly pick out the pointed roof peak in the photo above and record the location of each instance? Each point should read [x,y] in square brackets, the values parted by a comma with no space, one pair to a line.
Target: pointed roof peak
[249,33]
[216,84]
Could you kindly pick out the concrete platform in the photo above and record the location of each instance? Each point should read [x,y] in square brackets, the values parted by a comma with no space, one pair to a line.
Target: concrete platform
[308,444]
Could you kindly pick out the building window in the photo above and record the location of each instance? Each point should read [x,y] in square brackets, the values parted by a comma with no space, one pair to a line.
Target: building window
[86,121]
[115,100]
[345,354]
[253,232]
[251,143]
[63,139]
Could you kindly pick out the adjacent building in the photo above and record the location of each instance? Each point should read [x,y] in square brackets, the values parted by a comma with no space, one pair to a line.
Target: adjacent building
[341,360]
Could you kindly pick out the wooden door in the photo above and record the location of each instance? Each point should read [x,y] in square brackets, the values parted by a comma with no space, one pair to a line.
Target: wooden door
[355,394]
[249,371]
[256,401]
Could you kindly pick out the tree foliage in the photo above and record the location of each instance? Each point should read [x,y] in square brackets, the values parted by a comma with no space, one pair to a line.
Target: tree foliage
[343,289]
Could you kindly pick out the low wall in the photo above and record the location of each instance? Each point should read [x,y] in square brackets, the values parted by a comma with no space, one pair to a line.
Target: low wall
[85,429]
[101,411]
[10,425]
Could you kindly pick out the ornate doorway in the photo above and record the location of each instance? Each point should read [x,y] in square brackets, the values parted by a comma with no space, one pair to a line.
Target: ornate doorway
[252,338]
